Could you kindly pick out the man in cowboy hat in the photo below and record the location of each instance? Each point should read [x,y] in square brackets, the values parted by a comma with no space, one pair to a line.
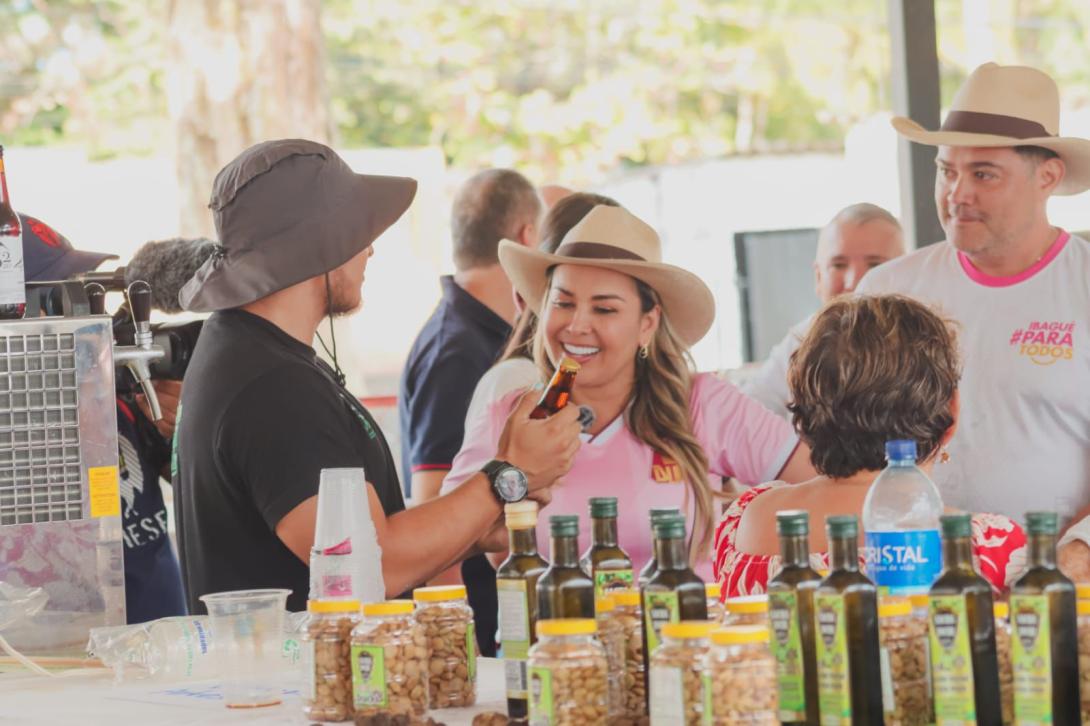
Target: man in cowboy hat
[261,415]
[1016,286]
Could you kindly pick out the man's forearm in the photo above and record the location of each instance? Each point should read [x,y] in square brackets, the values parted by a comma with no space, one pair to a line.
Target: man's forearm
[427,539]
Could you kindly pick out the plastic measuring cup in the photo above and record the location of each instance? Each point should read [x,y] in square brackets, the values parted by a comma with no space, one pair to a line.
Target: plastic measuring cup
[247,639]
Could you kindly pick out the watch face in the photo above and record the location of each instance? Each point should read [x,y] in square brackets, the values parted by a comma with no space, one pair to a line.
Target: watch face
[511,484]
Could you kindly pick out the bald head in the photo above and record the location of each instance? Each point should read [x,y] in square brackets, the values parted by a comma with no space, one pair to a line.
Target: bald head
[858,238]
[493,205]
[553,193]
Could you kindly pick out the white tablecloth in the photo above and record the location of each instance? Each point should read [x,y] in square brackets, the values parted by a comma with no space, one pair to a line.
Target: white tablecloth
[89,698]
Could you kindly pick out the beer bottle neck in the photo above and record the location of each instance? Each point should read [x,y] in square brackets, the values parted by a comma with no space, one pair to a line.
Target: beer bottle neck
[565,551]
[671,554]
[795,550]
[523,541]
[1042,551]
[957,553]
[5,200]
[844,554]
[604,533]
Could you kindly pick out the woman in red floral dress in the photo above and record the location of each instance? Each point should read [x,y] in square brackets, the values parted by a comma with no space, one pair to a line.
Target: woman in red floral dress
[871,369]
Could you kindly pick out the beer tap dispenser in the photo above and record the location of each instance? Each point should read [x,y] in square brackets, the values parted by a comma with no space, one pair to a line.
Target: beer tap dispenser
[138,357]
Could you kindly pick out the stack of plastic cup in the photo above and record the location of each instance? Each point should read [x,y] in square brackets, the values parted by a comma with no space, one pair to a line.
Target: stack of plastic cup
[346,560]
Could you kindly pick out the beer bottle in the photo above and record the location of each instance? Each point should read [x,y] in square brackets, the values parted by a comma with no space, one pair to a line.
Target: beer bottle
[652,565]
[516,588]
[791,617]
[12,282]
[1043,617]
[964,668]
[609,566]
[564,590]
[846,624]
[559,390]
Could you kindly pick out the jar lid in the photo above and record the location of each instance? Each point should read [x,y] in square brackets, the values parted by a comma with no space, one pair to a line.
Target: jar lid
[894,607]
[747,604]
[440,593]
[567,626]
[390,607]
[713,589]
[739,634]
[626,598]
[688,629]
[1082,590]
[605,603]
[333,606]
[1001,610]
[919,600]
[1084,607]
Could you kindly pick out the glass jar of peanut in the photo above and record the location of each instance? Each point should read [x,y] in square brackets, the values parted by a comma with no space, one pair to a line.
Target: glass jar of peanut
[447,619]
[716,610]
[904,658]
[568,674]
[747,610]
[389,661]
[627,611]
[740,685]
[327,673]
[677,673]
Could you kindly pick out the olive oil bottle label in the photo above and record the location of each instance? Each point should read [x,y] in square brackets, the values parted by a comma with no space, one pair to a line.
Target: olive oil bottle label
[783,617]
[659,608]
[369,676]
[1031,658]
[951,660]
[542,712]
[834,682]
[606,580]
[514,612]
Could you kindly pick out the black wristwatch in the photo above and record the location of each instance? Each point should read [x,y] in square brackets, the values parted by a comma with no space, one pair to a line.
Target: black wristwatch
[509,483]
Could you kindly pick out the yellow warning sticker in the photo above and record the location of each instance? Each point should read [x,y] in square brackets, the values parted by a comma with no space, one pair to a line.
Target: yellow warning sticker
[103,486]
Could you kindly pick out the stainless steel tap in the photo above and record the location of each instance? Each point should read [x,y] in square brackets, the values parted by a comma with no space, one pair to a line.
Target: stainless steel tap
[137,358]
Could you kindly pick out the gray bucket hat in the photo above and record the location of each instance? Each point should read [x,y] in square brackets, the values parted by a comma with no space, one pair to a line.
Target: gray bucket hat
[286,211]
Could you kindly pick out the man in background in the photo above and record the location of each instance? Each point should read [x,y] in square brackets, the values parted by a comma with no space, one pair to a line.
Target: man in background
[860,237]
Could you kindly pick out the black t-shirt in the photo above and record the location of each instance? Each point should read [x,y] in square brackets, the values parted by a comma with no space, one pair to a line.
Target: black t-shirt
[260,417]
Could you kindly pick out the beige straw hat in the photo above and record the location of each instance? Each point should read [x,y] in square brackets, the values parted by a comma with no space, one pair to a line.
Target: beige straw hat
[614,239]
[1008,106]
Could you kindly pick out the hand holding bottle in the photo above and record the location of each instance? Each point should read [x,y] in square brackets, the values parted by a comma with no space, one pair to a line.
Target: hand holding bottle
[544,449]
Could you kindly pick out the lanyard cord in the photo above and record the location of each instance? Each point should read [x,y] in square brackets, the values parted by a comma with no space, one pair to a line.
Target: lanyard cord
[337,372]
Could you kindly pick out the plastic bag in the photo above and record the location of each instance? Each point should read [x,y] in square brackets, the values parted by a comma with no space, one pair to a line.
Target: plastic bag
[19,603]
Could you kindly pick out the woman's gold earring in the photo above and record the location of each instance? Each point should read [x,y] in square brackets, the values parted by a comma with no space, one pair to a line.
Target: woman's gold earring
[644,352]
[944,456]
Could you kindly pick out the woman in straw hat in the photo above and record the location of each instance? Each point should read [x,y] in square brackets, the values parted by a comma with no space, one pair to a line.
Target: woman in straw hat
[606,300]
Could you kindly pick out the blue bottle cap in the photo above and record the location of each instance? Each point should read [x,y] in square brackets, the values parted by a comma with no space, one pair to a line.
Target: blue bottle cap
[901,450]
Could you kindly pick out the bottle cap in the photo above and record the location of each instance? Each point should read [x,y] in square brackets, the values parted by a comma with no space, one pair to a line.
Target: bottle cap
[740,634]
[564,525]
[602,507]
[390,607]
[567,626]
[1082,590]
[956,525]
[626,598]
[521,515]
[713,589]
[657,513]
[568,365]
[792,522]
[1001,610]
[333,606]
[901,450]
[1042,523]
[605,604]
[441,593]
[894,607]
[672,528]
[1083,607]
[747,604]
[842,525]
[688,630]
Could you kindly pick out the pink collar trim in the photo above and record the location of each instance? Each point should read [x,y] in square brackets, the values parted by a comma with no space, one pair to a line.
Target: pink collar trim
[983,278]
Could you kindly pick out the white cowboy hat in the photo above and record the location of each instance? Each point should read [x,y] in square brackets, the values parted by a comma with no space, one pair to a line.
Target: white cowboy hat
[1008,106]
[614,239]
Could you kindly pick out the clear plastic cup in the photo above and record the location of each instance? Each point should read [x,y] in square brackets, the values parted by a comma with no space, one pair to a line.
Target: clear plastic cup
[247,640]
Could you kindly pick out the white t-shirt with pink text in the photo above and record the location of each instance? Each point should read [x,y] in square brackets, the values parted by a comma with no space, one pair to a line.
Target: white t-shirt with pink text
[740,437]
[1023,437]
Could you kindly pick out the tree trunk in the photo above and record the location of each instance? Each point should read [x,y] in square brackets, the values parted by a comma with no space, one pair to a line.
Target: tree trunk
[239,72]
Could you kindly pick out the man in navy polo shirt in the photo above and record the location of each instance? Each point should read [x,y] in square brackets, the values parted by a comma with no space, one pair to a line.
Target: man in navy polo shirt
[458,344]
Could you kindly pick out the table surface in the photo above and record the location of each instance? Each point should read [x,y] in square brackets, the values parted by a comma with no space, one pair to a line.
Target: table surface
[91,697]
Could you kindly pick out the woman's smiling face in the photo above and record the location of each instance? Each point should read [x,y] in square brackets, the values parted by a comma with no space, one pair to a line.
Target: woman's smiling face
[594,316]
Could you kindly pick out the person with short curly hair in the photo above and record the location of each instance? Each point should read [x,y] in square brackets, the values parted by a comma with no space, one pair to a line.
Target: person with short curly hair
[871,369]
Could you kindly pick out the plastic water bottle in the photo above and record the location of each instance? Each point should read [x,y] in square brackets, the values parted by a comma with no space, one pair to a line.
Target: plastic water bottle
[901,525]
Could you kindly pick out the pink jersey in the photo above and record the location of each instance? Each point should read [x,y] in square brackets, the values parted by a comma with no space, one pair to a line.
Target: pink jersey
[740,437]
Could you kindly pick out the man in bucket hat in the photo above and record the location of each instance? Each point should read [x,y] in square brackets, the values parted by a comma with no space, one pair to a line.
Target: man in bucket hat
[261,415]
[1016,286]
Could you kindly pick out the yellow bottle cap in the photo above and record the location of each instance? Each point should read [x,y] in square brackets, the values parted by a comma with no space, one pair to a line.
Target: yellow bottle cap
[566,626]
[1001,610]
[894,607]
[390,607]
[713,589]
[521,515]
[920,602]
[441,593]
[748,604]
[568,364]
[1084,607]
[739,634]
[688,629]
[626,598]
[333,606]
[605,603]
[1082,590]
